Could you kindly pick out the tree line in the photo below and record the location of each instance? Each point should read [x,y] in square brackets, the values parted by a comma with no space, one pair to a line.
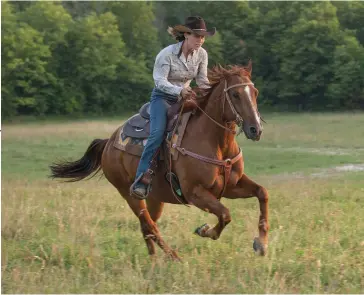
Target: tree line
[71,57]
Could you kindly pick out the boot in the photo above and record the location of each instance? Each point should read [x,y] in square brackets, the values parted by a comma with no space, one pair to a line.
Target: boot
[140,191]
[142,185]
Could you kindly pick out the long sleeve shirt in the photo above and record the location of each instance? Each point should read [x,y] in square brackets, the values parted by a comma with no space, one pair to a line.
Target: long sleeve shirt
[173,72]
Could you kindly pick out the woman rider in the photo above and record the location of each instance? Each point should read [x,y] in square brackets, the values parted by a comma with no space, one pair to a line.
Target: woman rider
[175,66]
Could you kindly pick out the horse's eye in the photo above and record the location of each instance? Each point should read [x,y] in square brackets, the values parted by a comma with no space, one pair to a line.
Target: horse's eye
[236,95]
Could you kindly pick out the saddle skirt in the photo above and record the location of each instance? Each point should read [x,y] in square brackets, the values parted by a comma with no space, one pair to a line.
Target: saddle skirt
[133,135]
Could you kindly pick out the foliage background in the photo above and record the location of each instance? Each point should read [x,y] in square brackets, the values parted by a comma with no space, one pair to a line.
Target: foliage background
[95,58]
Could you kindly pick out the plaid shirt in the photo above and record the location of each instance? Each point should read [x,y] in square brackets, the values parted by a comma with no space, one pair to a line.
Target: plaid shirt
[172,72]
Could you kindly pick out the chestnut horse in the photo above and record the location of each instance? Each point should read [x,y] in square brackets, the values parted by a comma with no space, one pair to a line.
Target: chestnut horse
[210,165]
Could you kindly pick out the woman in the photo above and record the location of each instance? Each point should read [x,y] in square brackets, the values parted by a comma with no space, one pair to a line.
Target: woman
[175,66]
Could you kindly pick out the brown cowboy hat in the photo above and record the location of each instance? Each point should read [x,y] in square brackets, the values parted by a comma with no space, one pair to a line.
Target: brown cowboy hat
[196,25]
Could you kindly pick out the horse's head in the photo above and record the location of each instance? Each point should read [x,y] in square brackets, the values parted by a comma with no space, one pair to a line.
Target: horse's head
[240,99]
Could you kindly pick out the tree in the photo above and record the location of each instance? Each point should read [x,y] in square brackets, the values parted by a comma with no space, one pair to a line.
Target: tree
[94,51]
[53,22]
[351,16]
[214,47]
[49,18]
[306,56]
[24,61]
[135,21]
[347,86]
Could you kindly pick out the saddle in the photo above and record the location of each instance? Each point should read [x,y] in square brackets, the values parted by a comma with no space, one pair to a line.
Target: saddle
[138,126]
[133,134]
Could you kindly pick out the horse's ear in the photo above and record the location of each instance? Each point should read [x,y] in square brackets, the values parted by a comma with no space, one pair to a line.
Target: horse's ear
[249,67]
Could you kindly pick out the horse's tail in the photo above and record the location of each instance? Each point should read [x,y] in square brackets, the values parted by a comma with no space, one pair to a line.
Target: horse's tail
[80,169]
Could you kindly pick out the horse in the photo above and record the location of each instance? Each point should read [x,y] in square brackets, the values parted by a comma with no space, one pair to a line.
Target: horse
[210,164]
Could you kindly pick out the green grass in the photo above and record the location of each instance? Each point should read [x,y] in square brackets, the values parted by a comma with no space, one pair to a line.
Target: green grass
[83,238]
[289,143]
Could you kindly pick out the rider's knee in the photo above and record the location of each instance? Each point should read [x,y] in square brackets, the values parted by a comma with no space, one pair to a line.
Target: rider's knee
[157,134]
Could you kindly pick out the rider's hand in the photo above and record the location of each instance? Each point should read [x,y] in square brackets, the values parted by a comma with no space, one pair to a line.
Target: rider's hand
[187,93]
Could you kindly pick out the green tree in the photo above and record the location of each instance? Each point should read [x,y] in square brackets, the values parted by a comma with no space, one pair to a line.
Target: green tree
[214,47]
[351,16]
[306,56]
[347,86]
[135,21]
[49,18]
[267,26]
[53,22]
[24,61]
[96,63]
[94,51]
[170,13]
[80,9]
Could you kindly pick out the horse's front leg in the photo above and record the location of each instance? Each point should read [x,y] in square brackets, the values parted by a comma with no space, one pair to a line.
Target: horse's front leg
[206,201]
[246,188]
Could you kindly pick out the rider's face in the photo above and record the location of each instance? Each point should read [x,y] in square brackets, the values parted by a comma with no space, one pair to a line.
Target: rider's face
[194,41]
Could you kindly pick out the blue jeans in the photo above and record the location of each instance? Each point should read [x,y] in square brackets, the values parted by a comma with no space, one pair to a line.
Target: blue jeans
[158,123]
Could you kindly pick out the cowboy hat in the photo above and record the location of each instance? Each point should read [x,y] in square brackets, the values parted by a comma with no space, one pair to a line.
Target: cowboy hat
[196,25]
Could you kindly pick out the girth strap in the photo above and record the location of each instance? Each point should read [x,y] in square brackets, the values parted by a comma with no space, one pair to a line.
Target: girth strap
[227,163]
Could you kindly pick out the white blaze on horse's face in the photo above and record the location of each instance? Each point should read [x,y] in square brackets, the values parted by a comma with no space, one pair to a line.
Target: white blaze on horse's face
[248,93]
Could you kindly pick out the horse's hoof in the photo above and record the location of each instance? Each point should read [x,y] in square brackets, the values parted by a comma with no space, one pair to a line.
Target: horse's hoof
[259,248]
[202,230]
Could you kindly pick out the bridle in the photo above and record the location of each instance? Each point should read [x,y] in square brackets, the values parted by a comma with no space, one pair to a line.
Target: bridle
[226,164]
[238,119]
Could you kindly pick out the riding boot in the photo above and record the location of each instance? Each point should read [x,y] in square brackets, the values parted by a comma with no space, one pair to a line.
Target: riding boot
[142,185]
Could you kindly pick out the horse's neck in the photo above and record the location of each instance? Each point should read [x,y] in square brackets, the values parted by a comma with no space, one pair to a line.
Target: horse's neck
[218,138]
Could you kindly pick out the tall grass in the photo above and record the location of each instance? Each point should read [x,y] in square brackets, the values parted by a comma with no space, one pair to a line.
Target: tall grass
[83,238]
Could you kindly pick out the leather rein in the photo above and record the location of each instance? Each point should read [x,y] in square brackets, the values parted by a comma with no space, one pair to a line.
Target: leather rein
[227,163]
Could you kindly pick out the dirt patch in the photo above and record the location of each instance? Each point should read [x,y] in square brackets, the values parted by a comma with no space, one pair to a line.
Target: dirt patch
[320,151]
[327,172]
[339,169]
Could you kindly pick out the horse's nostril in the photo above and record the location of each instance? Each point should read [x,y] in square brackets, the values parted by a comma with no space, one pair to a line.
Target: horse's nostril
[253,130]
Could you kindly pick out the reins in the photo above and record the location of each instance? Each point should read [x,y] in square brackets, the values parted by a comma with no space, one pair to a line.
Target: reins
[238,118]
[227,163]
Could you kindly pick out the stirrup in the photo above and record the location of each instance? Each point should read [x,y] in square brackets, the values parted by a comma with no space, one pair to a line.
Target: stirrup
[137,194]
[175,183]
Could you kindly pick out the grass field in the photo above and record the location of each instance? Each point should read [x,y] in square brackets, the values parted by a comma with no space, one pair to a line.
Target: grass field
[83,238]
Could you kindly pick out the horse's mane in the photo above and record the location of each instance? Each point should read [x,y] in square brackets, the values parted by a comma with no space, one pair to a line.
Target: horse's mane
[217,73]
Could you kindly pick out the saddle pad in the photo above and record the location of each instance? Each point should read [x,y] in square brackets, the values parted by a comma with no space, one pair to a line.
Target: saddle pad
[135,146]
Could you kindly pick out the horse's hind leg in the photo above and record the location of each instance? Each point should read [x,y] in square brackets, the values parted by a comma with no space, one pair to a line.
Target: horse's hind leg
[149,229]
[117,174]
[206,201]
[155,208]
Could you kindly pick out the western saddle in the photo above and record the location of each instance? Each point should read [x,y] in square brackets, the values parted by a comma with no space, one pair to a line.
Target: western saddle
[138,126]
